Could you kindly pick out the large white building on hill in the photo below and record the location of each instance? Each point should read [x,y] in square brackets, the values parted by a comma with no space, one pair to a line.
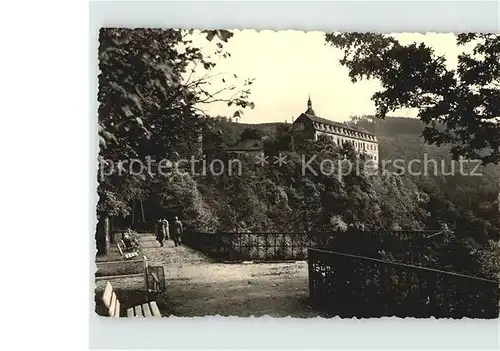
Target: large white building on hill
[309,126]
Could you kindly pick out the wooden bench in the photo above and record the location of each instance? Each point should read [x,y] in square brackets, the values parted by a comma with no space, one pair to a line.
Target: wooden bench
[148,309]
[127,255]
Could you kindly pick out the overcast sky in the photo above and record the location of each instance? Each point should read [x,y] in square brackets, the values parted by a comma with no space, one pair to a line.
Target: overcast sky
[289,65]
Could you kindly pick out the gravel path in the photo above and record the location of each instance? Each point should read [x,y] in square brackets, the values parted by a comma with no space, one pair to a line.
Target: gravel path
[198,286]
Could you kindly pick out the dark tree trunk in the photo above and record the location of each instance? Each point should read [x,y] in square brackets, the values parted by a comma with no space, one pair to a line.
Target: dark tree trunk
[111,226]
[102,236]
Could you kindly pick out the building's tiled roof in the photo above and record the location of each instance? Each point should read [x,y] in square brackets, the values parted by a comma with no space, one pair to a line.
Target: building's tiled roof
[337,124]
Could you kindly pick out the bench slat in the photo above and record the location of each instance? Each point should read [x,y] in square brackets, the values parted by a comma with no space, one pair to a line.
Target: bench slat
[119,249]
[111,310]
[138,311]
[154,309]
[113,305]
[117,308]
[106,297]
[130,255]
[147,311]
[130,312]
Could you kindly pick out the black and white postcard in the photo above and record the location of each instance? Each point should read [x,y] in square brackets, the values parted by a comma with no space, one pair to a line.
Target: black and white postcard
[292,173]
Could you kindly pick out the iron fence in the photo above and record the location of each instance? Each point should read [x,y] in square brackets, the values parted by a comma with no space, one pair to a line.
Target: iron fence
[254,246]
[348,285]
[230,246]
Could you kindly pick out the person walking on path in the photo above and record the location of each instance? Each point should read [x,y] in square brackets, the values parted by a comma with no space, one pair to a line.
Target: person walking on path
[160,236]
[177,231]
[166,231]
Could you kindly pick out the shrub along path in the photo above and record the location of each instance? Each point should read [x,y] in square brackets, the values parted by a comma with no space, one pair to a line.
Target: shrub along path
[197,286]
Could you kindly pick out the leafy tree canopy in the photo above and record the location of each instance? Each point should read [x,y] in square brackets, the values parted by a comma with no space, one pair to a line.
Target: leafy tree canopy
[250,134]
[465,100]
[150,101]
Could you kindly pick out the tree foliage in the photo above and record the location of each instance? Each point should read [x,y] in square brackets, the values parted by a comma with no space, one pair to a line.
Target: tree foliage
[467,202]
[250,134]
[466,100]
[150,102]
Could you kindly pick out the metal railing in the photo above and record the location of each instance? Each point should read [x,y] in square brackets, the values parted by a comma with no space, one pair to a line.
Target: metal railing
[254,246]
[354,286]
[258,246]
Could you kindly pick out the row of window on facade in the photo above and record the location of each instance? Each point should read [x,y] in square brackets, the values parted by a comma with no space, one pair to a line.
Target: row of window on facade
[342,131]
[356,144]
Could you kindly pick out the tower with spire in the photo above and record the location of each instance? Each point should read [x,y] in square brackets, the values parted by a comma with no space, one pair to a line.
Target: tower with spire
[310,110]
[310,126]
